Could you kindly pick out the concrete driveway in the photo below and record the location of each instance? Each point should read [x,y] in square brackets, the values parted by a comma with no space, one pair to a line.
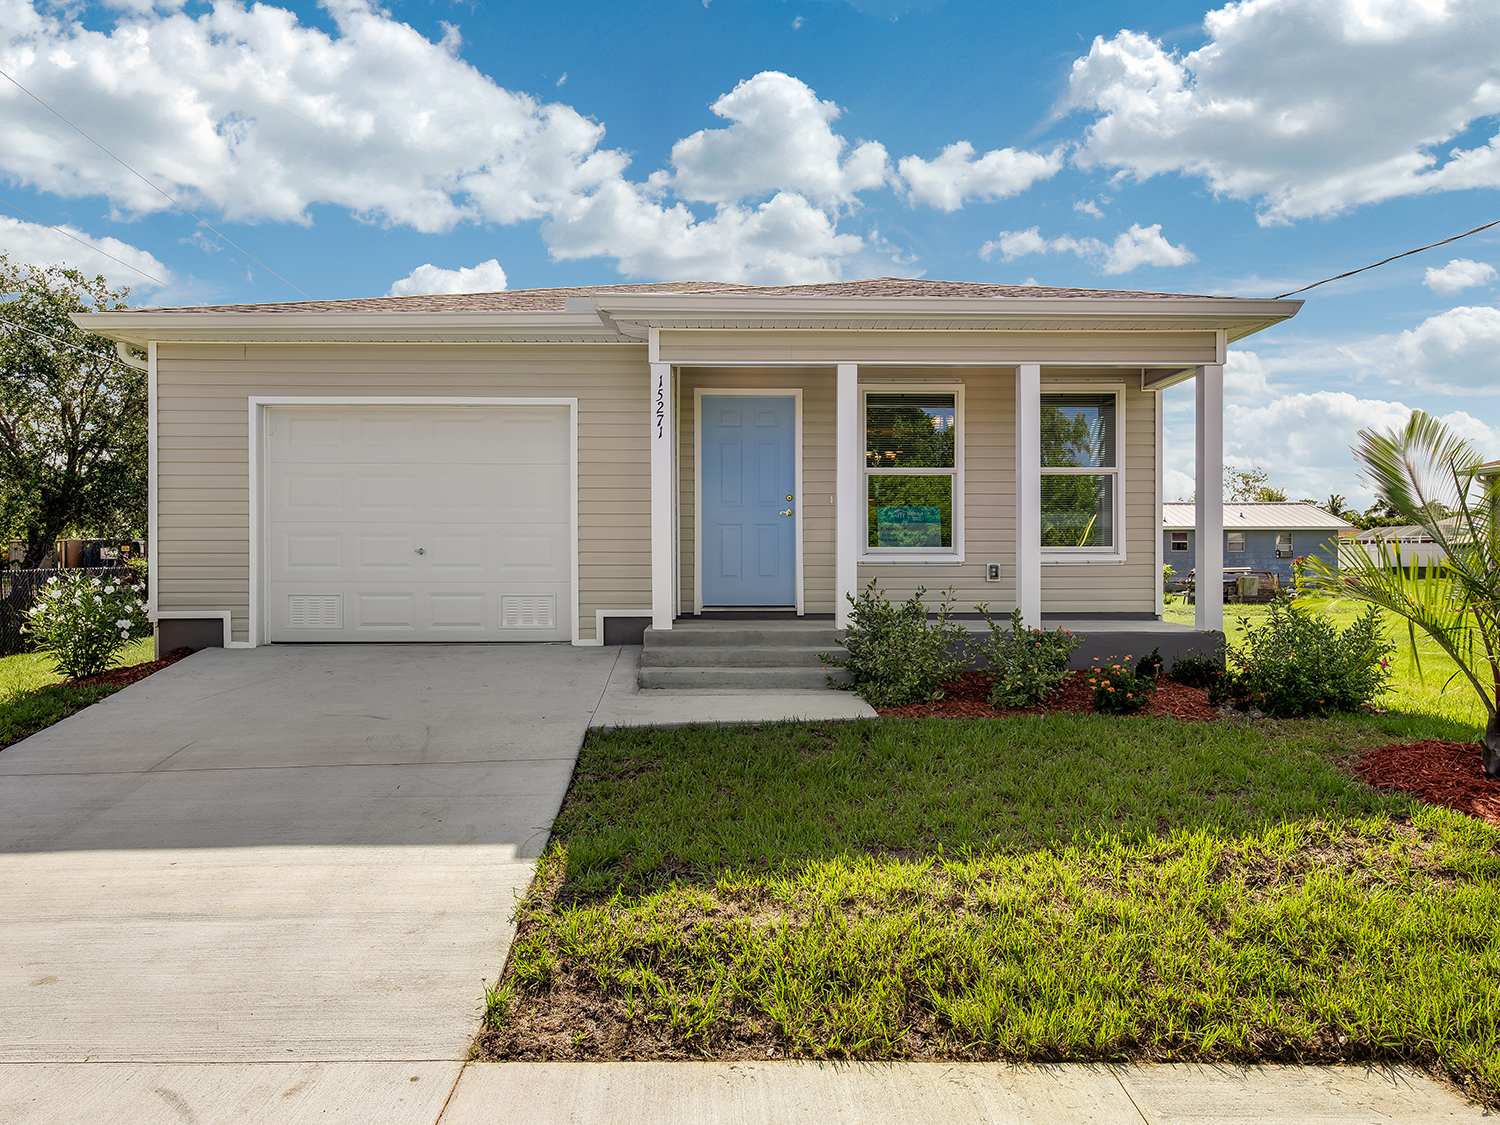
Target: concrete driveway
[281,854]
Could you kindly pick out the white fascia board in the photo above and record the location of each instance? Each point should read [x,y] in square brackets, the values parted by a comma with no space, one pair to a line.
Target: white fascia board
[363,327]
[646,308]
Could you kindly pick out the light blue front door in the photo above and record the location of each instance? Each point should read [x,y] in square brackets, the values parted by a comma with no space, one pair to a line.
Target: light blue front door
[749,522]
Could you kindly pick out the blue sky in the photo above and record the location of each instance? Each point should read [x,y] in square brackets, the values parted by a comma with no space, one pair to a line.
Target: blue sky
[359,150]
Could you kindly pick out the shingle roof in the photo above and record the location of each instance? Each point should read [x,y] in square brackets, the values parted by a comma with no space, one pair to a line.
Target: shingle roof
[533,300]
[1276,515]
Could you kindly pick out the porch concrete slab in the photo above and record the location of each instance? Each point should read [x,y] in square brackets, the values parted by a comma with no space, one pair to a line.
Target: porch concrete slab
[234,861]
[815,1093]
[1191,1094]
[393,1093]
[625,705]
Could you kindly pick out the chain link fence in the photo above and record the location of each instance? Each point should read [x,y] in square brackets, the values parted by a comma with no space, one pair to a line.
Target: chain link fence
[18,593]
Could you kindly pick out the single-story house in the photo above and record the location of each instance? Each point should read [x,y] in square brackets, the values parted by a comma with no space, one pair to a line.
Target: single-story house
[1411,543]
[576,464]
[1260,536]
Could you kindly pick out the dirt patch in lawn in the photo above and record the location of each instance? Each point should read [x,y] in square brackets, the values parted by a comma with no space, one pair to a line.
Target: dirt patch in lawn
[968,698]
[1436,773]
[122,677]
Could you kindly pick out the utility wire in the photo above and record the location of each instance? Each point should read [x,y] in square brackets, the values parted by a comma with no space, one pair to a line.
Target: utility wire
[95,249]
[147,182]
[56,343]
[1392,258]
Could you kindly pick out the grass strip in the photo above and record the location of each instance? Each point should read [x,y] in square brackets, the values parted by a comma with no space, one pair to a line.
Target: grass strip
[1048,888]
[24,715]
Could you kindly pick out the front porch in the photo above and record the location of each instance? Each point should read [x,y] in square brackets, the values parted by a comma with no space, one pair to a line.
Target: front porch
[988,544]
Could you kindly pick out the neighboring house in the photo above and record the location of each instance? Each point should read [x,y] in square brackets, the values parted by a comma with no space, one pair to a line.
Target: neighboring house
[1260,536]
[573,464]
[1410,543]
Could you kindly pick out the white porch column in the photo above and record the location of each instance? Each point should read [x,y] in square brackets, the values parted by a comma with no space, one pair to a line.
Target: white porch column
[1029,493]
[1208,449]
[850,517]
[662,436]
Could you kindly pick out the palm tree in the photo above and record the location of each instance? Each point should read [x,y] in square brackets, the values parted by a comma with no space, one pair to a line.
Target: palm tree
[1335,504]
[1424,470]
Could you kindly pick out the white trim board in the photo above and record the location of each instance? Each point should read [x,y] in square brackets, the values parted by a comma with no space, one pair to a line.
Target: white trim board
[794,393]
[257,405]
[600,615]
[223,615]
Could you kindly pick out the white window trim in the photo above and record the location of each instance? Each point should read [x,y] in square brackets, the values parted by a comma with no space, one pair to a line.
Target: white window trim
[1115,554]
[1186,543]
[899,556]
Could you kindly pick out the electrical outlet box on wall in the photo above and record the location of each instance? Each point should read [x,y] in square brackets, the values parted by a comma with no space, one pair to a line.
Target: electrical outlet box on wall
[992,572]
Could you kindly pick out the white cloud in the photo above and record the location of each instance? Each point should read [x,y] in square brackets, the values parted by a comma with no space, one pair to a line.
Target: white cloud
[1138,246]
[956,176]
[1088,207]
[486,277]
[1457,351]
[1458,275]
[779,139]
[43,246]
[1309,106]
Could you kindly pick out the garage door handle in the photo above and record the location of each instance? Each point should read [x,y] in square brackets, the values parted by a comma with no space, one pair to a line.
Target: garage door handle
[421,550]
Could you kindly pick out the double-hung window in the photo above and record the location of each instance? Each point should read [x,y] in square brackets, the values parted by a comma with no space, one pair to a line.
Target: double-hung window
[1283,544]
[1082,460]
[1179,541]
[913,473]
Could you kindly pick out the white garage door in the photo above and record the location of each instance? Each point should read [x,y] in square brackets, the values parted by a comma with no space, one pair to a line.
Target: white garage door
[398,523]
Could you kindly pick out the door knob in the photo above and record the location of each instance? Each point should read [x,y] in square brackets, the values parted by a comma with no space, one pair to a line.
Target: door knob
[787,512]
[421,550]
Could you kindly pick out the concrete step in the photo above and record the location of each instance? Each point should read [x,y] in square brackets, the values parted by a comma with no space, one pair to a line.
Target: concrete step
[737,679]
[789,634]
[698,656]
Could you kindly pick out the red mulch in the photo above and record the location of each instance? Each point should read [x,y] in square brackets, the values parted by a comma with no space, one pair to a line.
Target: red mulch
[120,677]
[1436,773]
[965,698]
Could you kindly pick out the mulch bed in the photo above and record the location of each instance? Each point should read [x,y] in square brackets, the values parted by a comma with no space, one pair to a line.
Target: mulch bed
[967,696]
[1436,773]
[121,677]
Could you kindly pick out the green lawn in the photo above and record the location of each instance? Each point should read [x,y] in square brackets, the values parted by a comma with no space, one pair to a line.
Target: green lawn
[1048,888]
[1433,689]
[31,697]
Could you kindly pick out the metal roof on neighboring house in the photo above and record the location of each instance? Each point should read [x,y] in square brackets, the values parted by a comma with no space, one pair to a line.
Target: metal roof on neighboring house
[1277,515]
[1412,533]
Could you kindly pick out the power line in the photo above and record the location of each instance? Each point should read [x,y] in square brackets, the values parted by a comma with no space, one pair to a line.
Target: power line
[1392,258]
[95,249]
[147,182]
[56,343]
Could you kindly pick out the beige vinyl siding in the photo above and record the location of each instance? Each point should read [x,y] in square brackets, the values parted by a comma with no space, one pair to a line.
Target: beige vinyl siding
[1128,587]
[203,540]
[703,347]
[819,387]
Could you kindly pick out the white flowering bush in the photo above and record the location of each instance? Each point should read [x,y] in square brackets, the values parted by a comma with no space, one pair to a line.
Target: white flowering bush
[83,622]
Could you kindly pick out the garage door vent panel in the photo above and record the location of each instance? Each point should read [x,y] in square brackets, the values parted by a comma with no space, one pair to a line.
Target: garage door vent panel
[315,611]
[528,611]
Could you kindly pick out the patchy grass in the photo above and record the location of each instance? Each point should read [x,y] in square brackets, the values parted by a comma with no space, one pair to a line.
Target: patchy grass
[31,670]
[23,715]
[1050,888]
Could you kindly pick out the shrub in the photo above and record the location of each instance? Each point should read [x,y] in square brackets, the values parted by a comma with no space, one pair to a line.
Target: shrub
[1196,671]
[1148,667]
[1029,665]
[1298,663]
[84,622]
[1118,690]
[895,655]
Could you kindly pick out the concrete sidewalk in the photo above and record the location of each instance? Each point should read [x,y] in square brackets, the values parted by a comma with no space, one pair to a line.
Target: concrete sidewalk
[395,1093]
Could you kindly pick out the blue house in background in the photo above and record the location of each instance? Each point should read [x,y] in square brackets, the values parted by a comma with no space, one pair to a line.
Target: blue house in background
[1260,536]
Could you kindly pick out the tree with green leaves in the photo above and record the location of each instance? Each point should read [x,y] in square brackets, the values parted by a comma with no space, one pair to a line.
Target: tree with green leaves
[1335,505]
[72,415]
[1431,478]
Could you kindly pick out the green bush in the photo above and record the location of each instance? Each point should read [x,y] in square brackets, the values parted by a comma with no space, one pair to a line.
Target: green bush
[1029,665]
[83,622]
[1296,662]
[1148,667]
[895,655]
[1118,690]
[1196,671]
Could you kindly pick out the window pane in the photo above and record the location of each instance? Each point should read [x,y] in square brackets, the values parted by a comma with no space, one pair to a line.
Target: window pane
[1236,541]
[1078,431]
[914,431]
[1179,541]
[911,511]
[1078,511]
[1283,544]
